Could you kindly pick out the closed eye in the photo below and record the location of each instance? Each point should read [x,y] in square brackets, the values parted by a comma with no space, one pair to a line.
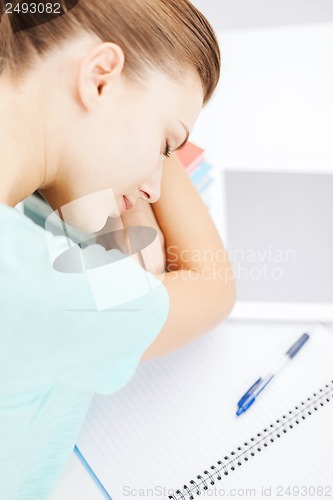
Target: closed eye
[167,152]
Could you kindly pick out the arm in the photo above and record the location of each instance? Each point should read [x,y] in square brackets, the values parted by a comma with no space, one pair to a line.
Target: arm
[154,255]
[200,278]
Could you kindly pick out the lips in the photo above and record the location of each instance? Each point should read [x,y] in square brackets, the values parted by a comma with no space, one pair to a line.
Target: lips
[127,204]
[123,208]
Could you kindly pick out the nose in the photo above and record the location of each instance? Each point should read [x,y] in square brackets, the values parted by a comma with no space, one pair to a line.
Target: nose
[151,189]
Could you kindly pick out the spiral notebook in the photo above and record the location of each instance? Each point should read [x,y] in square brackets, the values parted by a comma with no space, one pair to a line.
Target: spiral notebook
[173,433]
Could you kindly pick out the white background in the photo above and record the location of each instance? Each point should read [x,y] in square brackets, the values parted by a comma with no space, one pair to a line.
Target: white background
[239,14]
[273,108]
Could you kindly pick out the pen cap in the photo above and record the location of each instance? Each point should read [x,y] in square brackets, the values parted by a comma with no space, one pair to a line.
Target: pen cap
[298,345]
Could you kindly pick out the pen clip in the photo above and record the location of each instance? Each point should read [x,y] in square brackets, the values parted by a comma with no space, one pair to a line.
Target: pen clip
[249,392]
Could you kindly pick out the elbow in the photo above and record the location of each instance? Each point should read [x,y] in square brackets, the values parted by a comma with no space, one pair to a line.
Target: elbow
[232,296]
[229,298]
[225,294]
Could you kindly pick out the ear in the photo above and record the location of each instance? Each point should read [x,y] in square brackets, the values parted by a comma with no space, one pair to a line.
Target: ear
[97,70]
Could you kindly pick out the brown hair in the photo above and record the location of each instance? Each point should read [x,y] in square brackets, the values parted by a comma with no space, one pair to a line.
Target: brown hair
[170,35]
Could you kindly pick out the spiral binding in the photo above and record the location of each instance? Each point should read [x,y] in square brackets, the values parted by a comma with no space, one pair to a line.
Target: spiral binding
[255,444]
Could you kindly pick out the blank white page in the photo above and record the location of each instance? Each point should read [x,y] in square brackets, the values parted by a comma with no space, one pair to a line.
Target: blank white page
[177,415]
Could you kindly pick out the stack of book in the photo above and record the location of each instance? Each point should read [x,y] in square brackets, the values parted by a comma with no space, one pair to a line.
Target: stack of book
[192,158]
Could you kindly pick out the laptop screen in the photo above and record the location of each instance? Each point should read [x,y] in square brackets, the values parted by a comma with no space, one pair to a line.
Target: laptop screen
[280,235]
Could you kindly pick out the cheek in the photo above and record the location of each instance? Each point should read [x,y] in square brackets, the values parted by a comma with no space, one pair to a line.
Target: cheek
[142,160]
[126,156]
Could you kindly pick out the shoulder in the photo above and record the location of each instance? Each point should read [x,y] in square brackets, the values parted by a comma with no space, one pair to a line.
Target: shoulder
[88,328]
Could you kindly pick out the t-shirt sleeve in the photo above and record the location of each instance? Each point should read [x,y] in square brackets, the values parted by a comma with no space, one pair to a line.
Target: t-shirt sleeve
[84,329]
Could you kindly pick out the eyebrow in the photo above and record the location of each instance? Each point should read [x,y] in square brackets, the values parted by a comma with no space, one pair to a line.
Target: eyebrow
[186,138]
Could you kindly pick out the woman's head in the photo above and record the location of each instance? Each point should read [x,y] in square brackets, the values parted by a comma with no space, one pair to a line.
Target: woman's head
[114,83]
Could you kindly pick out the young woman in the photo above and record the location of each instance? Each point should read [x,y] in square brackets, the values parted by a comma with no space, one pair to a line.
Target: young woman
[91,102]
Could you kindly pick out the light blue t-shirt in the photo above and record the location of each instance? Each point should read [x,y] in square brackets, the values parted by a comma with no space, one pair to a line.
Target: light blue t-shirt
[56,351]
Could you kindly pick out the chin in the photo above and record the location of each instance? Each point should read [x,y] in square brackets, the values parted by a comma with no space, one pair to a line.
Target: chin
[91,212]
[86,224]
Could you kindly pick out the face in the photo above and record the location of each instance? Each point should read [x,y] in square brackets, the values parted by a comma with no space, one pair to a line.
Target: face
[117,136]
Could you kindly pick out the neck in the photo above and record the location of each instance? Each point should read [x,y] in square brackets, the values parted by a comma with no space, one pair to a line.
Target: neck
[22,165]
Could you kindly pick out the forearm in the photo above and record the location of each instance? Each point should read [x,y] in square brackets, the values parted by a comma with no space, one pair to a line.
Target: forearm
[191,239]
[199,280]
[196,306]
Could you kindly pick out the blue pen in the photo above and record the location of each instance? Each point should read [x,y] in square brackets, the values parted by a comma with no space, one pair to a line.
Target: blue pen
[250,396]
